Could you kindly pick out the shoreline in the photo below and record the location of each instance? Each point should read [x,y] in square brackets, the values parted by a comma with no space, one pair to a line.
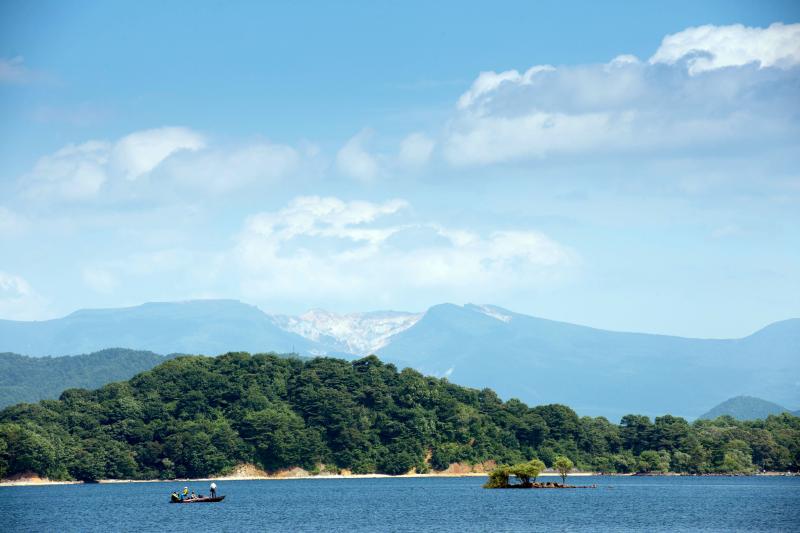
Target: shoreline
[34,482]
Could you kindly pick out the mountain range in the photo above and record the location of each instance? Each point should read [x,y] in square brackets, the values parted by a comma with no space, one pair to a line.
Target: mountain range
[746,408]
[30,379]
[597,372]
[206,327]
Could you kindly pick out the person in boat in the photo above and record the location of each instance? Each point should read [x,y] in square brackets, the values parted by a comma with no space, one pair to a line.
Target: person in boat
[193,495]
[185,493]
[213,489]
[174,496]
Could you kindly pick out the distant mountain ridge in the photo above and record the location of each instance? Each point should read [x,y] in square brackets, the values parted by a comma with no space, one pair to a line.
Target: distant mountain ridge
[30,379]
[598,372]
[745,408]
[206,327]
[540,361]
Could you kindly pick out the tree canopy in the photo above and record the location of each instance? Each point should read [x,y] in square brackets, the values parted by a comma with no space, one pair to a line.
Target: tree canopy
[200,416]
[563,466]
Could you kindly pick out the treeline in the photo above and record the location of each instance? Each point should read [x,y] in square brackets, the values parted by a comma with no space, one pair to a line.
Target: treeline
[30,379]
[201,416]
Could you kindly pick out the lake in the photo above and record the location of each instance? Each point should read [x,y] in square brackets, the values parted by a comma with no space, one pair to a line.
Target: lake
[413,504]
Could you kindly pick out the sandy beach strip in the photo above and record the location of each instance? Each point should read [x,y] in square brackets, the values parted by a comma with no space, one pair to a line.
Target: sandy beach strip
[37,481]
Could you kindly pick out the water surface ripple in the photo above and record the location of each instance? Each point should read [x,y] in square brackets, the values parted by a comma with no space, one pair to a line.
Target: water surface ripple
[651,504]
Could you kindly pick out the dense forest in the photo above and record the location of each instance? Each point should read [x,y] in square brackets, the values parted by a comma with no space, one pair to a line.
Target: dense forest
[201,416]
[30,379]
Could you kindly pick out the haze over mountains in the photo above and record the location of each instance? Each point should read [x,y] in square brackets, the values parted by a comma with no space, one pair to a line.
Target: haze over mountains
[30,379]
[594,371]
[200,326]
[746,408]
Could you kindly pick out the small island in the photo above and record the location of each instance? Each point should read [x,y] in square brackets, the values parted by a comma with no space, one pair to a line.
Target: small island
[526,473]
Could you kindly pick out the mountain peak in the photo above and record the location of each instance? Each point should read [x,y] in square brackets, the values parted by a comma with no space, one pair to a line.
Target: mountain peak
[745,408]
[180,306]
[355,333]
[193,326]
[493,311]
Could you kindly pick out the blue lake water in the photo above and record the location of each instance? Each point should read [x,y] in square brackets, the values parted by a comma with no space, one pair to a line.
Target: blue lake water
[413,504]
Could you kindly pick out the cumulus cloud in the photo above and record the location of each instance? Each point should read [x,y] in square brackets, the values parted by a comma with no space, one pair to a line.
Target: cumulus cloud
[416,150]
[159,158]
[681,98]
[18,301]
[74,172]
[324,248]
[138,153]
[355,161]
[710,47]
[225,169]
[13,286]
[488,82]
[80,171]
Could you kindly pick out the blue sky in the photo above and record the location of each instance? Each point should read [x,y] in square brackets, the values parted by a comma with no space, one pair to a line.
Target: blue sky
[618,164]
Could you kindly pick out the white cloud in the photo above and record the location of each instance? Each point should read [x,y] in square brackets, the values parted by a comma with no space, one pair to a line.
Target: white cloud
[228,169]
[18,301]
[488,82]
[161,158]
[74,172]
[416,150]
[79,172]
[627,105]
[324,217]
[13,286]
[713,47]
[355,161]
[325,248]
[138,153]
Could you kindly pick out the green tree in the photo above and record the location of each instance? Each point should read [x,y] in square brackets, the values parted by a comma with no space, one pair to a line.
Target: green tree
[562,422]
[498,478]
[28,451]
[526,471]
[736,462]
[625,462]
[736,458]
[681,462]
[563,466]
[654,461]
[636,432]
[280,438]
[4,456]
[365,416]
[669,433]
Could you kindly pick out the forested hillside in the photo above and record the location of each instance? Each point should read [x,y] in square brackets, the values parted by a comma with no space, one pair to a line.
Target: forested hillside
[199,416]
[30,379]
[474,345]
[745,408]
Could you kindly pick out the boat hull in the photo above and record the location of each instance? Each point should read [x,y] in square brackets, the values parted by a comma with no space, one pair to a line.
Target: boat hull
[200,500]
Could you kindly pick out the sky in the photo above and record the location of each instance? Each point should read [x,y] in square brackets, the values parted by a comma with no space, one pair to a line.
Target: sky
[625,165]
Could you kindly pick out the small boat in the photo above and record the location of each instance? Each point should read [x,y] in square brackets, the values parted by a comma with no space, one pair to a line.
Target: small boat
[205,499]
